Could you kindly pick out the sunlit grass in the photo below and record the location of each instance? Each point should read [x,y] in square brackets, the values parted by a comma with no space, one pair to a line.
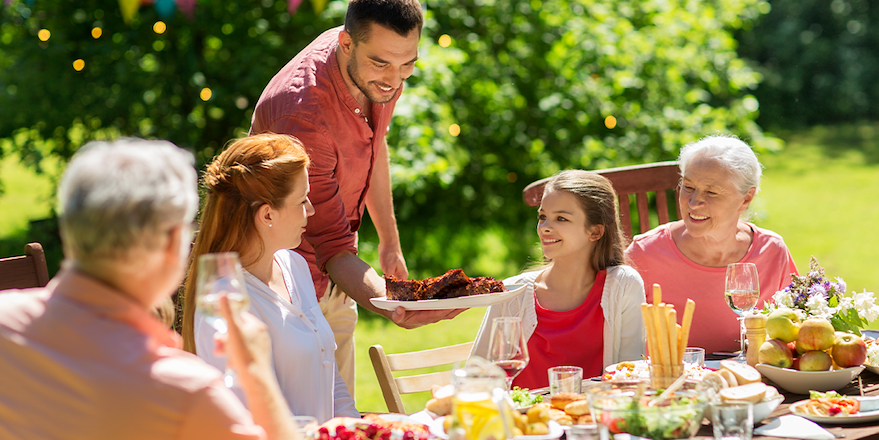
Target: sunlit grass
[26,196]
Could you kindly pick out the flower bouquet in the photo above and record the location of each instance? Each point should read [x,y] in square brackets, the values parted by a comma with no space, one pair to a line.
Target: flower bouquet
[815,296]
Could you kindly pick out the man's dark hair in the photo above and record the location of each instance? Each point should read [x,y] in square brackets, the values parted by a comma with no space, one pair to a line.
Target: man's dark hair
[401,16]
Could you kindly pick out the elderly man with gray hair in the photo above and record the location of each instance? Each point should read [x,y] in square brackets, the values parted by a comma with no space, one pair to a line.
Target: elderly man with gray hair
[83,358]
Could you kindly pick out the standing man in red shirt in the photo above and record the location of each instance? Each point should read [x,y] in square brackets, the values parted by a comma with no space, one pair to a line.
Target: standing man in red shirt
[337,96]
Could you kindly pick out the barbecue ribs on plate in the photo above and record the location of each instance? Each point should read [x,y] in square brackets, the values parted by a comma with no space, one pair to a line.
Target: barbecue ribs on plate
[452,284]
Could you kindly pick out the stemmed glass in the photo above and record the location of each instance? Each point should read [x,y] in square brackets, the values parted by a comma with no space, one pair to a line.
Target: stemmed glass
[220,274]
[741,293]
[507,347]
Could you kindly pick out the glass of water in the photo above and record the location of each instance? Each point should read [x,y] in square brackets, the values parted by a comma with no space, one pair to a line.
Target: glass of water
[220,274]
[732,421]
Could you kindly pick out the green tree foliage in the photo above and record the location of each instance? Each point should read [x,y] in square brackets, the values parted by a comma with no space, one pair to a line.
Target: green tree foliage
[515,91]
[532,85]
[137,81]
[820,59]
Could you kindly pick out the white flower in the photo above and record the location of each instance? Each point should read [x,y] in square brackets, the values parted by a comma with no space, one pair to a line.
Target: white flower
[817,306]
[783,299]
[845,303]
[801,314]
[866,305]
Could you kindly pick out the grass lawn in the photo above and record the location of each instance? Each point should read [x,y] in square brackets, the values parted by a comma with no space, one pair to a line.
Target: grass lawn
[26,196]
[818,194]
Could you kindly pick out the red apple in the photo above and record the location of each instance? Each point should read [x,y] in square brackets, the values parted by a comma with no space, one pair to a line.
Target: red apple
[795,364]
[815,334]
[849,351]
[815,360]
[775,352]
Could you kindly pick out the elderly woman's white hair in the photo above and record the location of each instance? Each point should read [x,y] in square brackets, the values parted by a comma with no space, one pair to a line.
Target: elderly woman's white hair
[731,153]
[120,197]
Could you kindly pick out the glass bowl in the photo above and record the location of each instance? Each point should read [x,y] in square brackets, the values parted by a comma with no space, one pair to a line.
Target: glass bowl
[625,410]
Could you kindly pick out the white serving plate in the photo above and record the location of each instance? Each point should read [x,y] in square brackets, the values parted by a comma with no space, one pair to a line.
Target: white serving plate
[555,431]
[801,382]
[859,417]
[463,302]
[872,368]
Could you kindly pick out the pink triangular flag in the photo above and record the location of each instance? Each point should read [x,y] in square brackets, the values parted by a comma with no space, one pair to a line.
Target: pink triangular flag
[187,7]
[292,6]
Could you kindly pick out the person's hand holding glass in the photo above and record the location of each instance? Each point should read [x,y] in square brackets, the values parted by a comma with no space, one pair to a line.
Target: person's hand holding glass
[741,293]
[220,274]
[507,347]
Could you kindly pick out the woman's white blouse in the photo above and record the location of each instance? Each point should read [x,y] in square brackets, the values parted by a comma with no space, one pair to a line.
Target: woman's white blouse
[303,348]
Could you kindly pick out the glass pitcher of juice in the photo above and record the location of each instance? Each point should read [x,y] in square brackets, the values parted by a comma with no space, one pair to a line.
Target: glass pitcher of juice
[481,409]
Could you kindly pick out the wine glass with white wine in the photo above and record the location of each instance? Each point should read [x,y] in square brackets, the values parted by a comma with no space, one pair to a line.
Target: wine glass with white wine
[220,274]
[741,292]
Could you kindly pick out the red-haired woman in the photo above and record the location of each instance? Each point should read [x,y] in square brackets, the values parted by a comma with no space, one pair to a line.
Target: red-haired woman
[256,204]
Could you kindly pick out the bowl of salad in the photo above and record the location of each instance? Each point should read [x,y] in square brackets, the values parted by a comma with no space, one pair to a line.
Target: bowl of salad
[523,398]
[637,413]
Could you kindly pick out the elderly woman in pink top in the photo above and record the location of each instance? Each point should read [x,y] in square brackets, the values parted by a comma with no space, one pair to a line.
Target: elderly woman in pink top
[719,178]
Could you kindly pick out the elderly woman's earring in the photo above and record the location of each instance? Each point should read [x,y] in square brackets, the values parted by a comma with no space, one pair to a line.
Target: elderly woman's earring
[270,225]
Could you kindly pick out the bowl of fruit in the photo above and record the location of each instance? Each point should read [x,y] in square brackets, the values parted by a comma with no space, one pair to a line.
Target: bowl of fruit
[810,355]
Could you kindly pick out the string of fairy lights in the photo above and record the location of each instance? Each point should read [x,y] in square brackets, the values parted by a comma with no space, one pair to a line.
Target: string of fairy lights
[166,7]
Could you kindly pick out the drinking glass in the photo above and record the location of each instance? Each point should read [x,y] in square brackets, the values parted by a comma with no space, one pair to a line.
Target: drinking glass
[732,420]
[694,355]
[565,379]
[741,293]
[220,274]
[306,426]
[507,347]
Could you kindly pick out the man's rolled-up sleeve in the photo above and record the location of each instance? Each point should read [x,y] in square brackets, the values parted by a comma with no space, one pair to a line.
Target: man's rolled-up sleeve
[328,230]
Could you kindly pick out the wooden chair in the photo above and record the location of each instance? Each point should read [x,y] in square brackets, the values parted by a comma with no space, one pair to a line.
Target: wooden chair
[28,270]
[638,180]
[392,387]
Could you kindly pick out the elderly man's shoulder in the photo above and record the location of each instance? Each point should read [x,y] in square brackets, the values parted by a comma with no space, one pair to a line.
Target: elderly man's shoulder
[21,303]
[179,369]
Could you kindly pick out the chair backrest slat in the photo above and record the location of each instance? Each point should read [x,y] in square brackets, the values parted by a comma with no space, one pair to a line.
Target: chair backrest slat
[423,382]
[26,271]
[429,358]
[639,180]
[392,387]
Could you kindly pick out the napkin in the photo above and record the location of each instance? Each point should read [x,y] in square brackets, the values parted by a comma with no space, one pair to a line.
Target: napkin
[792,426]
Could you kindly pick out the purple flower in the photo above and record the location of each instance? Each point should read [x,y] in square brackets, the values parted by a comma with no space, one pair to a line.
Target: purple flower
[817,289]
[840,285]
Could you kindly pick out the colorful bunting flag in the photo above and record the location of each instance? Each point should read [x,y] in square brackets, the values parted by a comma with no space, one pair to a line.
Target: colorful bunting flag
[129,8]
[319,5]
[293,5]
[187,7]
[165,8]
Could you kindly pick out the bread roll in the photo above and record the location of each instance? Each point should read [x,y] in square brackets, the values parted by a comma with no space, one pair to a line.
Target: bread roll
[744,373]
[729,376]
[752,392]
[577,408]
[560,400]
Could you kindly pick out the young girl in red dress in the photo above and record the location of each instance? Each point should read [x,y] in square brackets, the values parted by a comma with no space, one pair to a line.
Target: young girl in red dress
[583,306]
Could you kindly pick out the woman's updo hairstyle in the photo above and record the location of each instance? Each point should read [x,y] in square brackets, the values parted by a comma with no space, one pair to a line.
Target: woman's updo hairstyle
[732,154]
[251,172]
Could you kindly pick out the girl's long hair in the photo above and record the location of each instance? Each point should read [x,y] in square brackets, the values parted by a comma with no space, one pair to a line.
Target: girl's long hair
[251,172]
[599,201]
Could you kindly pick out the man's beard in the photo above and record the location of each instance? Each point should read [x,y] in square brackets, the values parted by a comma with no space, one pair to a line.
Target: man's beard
[364,88]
